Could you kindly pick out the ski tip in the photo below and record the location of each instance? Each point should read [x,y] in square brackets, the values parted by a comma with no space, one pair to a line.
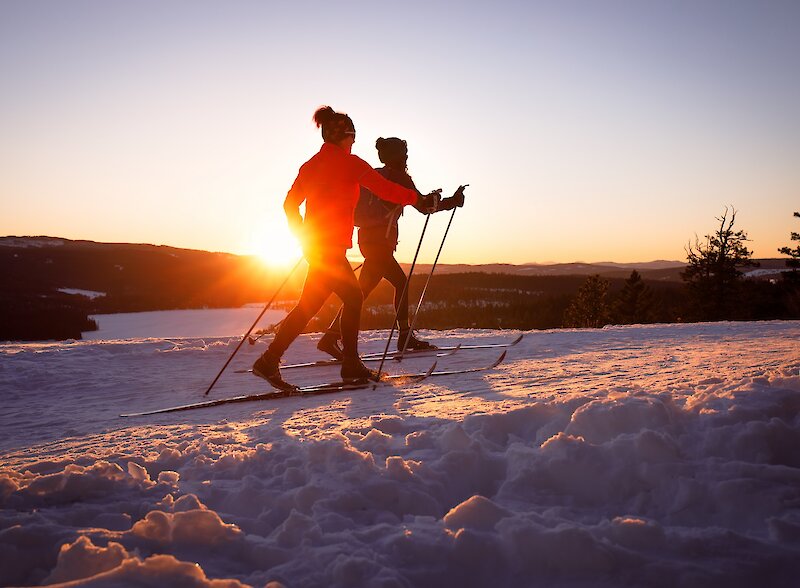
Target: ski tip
[452,351]
[518,339]
[499,359]
[430,369]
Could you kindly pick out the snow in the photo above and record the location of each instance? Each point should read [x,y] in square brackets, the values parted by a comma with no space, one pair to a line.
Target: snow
[659,455]
[760,273]
[217,322]
[90,294]
[26,242]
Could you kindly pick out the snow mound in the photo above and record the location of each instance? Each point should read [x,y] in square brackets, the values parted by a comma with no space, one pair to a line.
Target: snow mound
[83,564]
[639,456]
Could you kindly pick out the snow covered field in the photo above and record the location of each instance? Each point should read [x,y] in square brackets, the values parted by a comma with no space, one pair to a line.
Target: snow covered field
[662,455]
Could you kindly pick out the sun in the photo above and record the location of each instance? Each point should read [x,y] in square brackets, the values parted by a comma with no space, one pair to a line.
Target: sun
[275,246]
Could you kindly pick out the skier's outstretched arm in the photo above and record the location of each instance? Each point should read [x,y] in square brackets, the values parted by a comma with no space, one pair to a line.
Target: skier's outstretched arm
[381,187]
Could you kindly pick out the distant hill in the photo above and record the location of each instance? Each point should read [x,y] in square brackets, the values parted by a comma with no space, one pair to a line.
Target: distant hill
[186,278]
[130,276]
[51,284]
[136,276]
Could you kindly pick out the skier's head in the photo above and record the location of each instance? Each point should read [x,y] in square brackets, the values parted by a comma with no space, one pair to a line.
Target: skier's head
[392,152]
[337,127]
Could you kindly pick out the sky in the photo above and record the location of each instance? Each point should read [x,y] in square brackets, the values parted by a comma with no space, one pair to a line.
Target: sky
[587,131]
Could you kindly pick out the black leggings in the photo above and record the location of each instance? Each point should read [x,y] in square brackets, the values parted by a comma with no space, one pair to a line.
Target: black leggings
[379,263]
[326,274]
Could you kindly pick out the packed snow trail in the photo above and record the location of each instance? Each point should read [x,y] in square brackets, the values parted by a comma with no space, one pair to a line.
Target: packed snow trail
[656,455]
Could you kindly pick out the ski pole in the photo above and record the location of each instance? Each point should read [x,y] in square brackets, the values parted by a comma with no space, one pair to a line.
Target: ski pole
[405,289]
[276,326]
[428,281]
[253,326]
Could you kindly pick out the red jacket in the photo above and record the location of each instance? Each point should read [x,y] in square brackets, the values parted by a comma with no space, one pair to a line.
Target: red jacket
[329,183]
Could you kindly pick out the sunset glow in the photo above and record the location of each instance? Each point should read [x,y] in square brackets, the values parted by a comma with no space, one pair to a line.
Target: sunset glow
[586,131]
[275,246]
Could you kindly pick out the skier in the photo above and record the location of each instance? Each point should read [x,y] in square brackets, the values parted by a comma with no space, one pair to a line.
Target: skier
[377,240]
[329,184]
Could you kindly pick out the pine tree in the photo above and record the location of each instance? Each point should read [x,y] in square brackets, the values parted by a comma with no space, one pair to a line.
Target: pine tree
[713,277]
[589,308]
[635,304]
[791,280]
[794,254]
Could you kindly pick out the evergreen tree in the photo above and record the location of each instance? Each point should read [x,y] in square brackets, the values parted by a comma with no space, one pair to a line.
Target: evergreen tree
[713,277]
[635,304]
[589,308]
[794,254]
[791,280]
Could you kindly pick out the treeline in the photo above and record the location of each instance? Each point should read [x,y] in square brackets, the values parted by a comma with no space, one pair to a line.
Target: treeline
[713,288]
[494,301]
[500,301]
[130,278]
[30,315]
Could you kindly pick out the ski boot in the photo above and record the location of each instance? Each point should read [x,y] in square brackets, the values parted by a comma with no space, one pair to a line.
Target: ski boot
[330,343]
[354,371]
[268,367]
[408,341]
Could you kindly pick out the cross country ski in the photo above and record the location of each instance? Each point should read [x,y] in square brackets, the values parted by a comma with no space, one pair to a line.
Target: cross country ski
[311,390]
[325,388]
[372,357]
[397,356]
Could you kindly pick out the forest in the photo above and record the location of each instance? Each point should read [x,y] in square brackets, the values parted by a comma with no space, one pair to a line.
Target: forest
[38,298]
[502,301]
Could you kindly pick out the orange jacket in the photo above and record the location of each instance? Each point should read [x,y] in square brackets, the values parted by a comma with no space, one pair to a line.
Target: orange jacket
[329,184]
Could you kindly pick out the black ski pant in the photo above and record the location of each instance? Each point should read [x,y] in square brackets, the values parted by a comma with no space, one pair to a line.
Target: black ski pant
[379,263]
[327,273]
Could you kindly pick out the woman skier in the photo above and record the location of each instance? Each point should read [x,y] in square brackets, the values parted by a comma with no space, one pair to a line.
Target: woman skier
[329,184]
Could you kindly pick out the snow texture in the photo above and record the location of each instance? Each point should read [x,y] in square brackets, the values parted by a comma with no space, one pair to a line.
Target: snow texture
[660,455]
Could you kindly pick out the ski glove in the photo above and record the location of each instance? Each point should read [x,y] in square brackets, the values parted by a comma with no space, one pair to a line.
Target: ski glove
[429,202]
[456,200]
[458,195]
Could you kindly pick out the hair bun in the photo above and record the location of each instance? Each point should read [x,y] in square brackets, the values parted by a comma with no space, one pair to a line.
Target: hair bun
[380,143]
[324,115]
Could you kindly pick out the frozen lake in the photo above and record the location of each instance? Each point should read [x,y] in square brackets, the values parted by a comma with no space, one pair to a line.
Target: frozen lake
[212,322]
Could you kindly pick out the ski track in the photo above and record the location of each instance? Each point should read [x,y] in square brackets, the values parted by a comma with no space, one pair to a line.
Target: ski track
[656,455]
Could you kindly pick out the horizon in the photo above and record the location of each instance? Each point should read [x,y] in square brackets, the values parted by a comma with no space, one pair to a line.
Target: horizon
[592,132]
[351,253]
[356,258]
